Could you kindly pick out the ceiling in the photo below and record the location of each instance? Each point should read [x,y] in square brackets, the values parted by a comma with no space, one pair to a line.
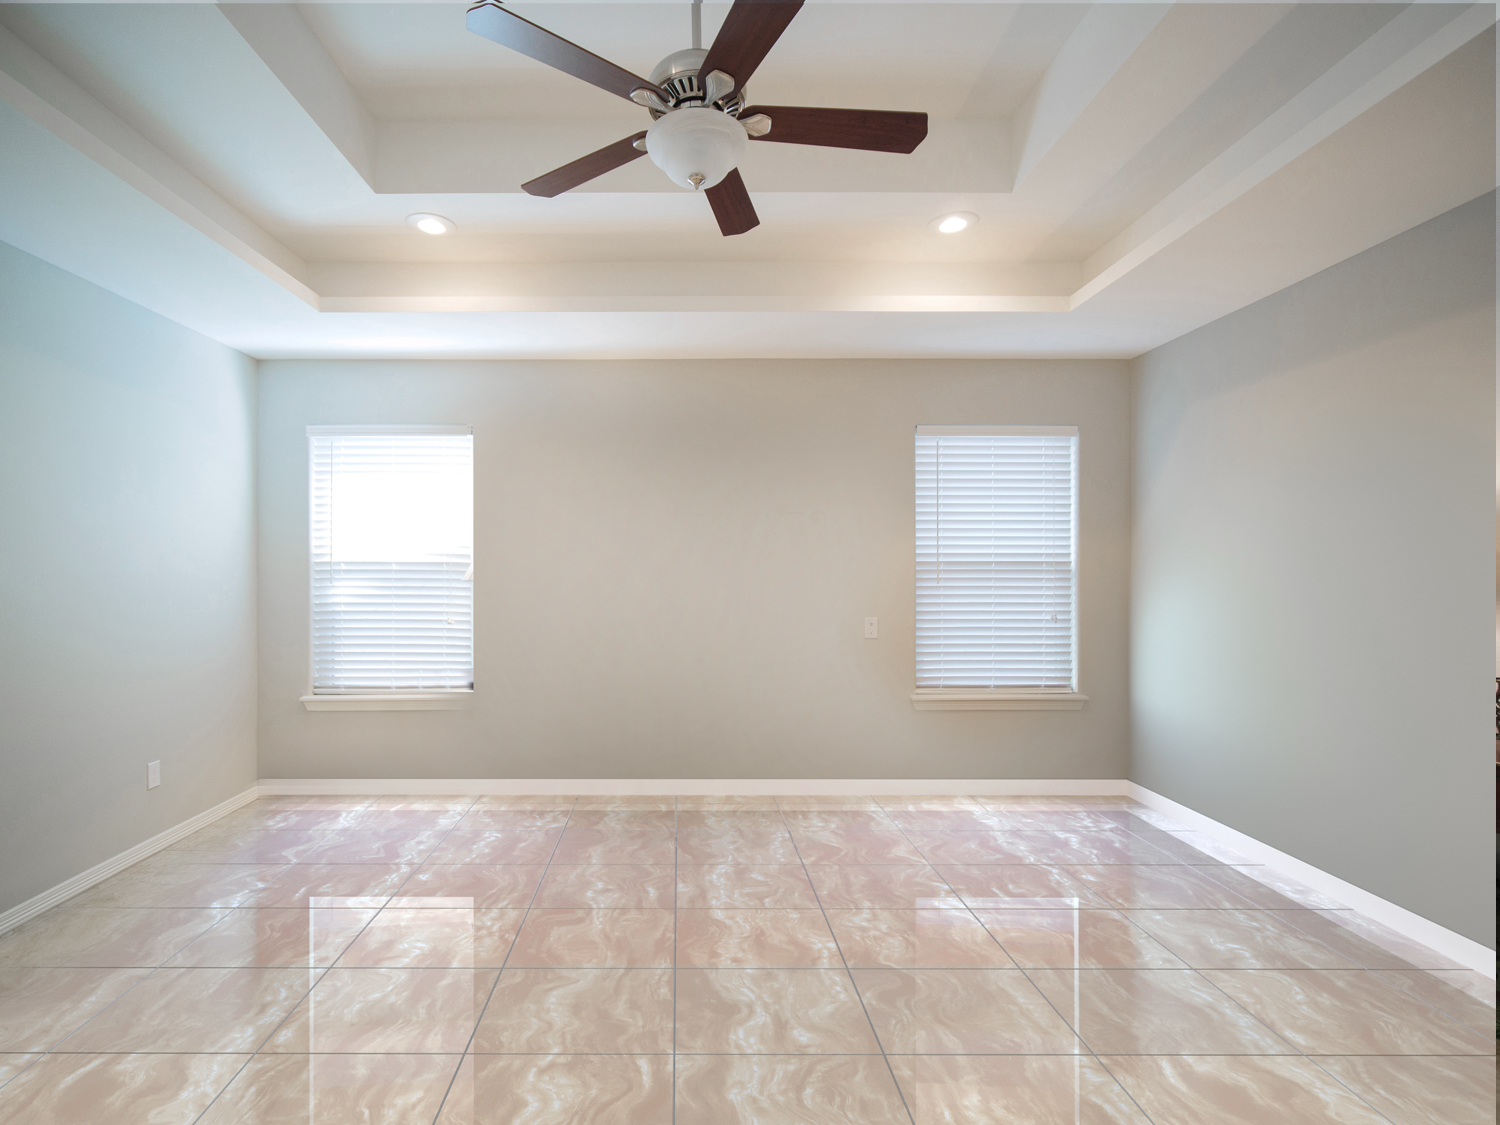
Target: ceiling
[1138,170]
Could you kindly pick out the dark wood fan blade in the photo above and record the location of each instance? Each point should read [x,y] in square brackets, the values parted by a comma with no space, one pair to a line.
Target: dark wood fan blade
[877,130]
[585,168]
[731,204]
[510,30]
[749,32]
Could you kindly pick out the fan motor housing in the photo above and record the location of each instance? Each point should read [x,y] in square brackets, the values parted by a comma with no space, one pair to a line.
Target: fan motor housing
[677,74]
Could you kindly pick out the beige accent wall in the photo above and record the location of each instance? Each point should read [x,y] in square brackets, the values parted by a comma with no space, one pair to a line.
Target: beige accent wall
[673,565]
[127,587]
[1310,647]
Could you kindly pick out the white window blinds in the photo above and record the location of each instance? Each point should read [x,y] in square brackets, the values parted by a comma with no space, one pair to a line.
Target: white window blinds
[392,534]
[996,539]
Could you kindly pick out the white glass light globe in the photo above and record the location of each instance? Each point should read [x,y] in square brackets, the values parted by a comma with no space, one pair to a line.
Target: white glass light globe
[696,142]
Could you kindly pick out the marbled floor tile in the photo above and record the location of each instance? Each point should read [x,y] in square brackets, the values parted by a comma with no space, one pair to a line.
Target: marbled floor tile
[1252,890]
[741,885]
[521,846]
[1153,887]
[12,1065]
[386,1011]
[1237,939]
[1300,894]
[1057,820]
[84,937]
[881,885]
[947,820]
[1063,939]
[603,886]
[787,1090]
[1016,887]
[803,818]
[1371,943]
[1155,1012]
[272,937]
[769,1012]
[437,801]
[194,1010]
[1421,1090]
[561,1090]
[961,1012]
[972,847]
[935,802]
[377,819]
[280,845]
[624,819]
[1012,1090]
[318,820]
[1353,1012]
[731,820]
[388,845]
[1474,985]
[648,801]
[119,1089]
[1089,846]
[730,939]
[583,1011]
[722,845]
[1211,847]
[525,801]
[40,1006]
[315,802]
[594,939]
[726,801]
[488,885]
[855,846]
[604,845]
[432,938]
[1179,849]
[1244,1090]
[915,939]
[829,801]
[514,820]
[181,884]
[361,885]
[335,1090]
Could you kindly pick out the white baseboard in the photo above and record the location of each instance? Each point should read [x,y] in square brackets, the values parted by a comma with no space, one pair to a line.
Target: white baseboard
[1455,946]
[81,882]
[687,787]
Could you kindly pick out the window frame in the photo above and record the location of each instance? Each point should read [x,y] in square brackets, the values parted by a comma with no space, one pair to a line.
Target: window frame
[447,699]
[1008,699]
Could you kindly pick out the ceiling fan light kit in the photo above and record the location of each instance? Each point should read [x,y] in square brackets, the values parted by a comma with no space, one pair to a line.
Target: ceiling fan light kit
[697,99]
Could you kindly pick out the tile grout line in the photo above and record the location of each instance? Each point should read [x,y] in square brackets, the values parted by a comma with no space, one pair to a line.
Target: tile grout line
[891,1070]
[329,967]
[465,1053]
[1022,969]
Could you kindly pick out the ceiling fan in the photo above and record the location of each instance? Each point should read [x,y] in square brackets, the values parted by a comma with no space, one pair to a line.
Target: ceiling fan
[697,99]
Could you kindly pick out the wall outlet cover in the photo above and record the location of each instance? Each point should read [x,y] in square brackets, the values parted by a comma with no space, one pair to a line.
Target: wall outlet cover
[153,774]
[872,628]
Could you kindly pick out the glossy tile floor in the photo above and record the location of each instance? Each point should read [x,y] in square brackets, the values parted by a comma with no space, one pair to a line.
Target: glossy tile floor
[703,961]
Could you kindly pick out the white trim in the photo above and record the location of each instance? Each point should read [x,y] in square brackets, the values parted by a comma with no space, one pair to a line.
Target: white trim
[954,699]
[1009,431]
[684,787]
[319,430]
[414,701]
[102,871]
[1455,946]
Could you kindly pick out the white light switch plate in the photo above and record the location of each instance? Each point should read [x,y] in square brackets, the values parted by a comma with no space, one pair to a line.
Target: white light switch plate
[872,628]
[153,774]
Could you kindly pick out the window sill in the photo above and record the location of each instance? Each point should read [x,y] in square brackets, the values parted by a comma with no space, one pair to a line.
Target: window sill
[951,700]
[412,701]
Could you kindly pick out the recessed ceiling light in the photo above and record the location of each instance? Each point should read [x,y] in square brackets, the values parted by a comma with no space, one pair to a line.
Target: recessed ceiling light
[429,224]
[954,222]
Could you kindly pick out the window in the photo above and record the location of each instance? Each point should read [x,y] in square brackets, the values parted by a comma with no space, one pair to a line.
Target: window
[391,536]
[996,575]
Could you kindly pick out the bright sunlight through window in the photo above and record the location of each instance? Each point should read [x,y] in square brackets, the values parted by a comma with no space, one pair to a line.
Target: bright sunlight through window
[392,540]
